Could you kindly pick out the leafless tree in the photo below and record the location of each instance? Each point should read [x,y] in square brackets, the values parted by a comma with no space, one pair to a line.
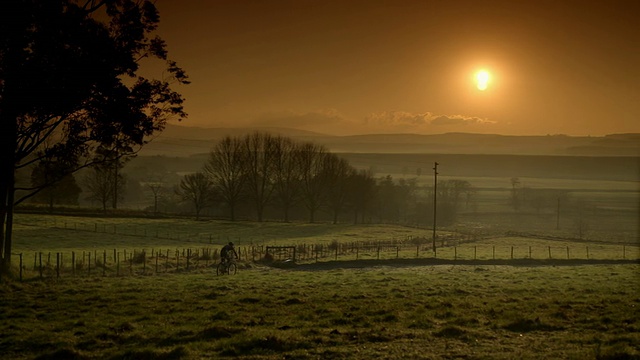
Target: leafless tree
[312,187]
[286,174]
[197,189]
[258,149]
[100,185]
[225,168]
[337,174]
[156,186]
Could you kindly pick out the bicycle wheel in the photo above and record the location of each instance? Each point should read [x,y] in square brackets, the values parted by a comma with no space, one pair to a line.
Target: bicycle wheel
[232,269]
[221,269]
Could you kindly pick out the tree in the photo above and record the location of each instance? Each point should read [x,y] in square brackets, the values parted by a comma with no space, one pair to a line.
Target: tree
[56,190]
[99,183]
[286,174]
[197,189]
[70,83]
[337,173]
[362,190]
[258,149]
[226,170]
[157,188]
[312,186]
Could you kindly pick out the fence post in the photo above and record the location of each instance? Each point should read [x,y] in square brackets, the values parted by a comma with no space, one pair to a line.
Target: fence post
[58,265]
[567,252]
[512,253]
[40,260]
[475,252]
[73,263]
[118,264]
[89,263]
[529,251]
[144,261]
[166,261]
[587,253]
[549,252]
[397,252]
[624,252]
[494,252]
[189,255]
[455,253]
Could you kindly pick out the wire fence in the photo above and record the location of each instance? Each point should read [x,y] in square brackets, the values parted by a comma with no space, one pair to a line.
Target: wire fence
[135,262]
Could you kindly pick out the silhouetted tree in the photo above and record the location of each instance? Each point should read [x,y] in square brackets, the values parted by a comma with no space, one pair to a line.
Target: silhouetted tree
[286,174]
[56,189]
[197,189]
[70,83]
[337,174]
[312,187]
[362,191]
[99,184]
[258,150]
[227,171]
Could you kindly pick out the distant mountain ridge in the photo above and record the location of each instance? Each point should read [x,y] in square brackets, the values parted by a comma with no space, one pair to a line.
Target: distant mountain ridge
[177,140]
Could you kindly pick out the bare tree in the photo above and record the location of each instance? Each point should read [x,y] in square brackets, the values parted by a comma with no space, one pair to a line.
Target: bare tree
[337,174]
[99,184]
[312,162]
[156,186]
[197,189]
[226,170]
[258,149]
[286,174]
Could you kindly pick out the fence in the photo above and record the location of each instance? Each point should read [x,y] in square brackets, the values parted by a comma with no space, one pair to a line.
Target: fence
[124,262]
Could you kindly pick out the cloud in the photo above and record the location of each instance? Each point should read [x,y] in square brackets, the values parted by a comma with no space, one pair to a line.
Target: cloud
[407,121]
[299,120]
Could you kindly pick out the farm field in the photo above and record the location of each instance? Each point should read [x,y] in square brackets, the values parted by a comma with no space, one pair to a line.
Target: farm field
[390,312]
[495,297]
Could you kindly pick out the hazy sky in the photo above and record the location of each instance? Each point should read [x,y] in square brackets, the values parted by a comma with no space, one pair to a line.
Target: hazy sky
[400,66]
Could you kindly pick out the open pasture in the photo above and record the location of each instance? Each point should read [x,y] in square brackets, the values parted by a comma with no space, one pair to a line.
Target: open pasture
[425,312]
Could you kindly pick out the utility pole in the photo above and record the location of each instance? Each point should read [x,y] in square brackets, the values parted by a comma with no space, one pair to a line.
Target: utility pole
[558,215]
[435,196]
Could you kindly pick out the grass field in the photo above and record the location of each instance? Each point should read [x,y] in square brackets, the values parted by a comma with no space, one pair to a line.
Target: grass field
[355,308]
[435,312]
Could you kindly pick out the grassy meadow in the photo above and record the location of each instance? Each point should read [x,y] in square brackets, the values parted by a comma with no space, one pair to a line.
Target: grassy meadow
[395,303]
[389,312]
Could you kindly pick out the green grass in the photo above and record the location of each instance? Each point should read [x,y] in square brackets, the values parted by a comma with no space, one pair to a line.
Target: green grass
[435,312]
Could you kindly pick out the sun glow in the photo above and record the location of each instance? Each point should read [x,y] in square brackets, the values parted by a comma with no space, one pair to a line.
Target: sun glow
[482,79]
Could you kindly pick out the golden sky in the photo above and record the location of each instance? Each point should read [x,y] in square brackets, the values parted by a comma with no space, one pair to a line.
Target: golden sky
[408,66]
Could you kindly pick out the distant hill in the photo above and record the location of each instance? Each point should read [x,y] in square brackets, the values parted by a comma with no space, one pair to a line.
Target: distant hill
[179,140]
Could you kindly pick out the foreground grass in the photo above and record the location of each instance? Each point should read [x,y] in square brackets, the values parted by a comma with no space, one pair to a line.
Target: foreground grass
[480,312]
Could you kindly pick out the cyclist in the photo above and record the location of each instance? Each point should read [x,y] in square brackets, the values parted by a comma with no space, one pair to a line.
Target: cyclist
[228,253]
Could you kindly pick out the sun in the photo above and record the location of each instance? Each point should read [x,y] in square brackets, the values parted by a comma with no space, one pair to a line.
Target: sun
[482,79]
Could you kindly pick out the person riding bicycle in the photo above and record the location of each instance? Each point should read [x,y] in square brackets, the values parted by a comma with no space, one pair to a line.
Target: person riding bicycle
[228,253]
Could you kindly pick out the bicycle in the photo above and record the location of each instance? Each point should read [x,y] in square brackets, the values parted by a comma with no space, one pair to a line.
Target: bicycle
[228,267]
